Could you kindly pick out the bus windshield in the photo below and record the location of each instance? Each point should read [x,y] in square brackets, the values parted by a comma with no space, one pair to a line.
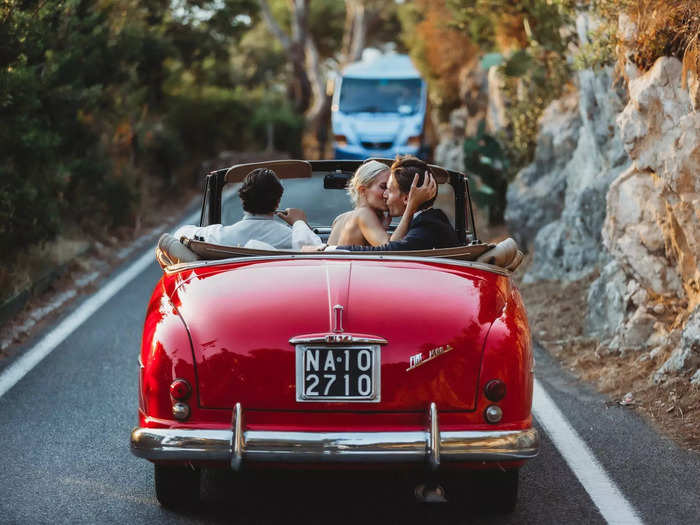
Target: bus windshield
[380,95]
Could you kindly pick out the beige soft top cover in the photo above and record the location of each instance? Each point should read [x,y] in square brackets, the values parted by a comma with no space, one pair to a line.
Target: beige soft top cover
[210,251]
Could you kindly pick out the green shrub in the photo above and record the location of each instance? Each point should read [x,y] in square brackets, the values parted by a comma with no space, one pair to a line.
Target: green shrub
[210,119]
[484,157]
[286,125]
[105,102]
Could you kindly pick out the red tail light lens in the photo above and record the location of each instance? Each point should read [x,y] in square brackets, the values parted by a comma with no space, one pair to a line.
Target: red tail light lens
[414,141]
[342,140]
[180,389]
[495,390]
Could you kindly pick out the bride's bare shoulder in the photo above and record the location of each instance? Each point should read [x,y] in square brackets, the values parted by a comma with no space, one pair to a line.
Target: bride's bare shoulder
[342,217]
[367,215]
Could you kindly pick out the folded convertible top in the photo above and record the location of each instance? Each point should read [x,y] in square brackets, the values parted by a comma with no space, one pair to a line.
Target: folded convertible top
[210,251]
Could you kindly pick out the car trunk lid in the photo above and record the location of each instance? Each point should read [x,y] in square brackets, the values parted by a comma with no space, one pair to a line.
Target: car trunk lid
[249,322]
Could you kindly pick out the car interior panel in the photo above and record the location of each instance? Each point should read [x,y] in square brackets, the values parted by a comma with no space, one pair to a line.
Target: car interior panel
[208,251]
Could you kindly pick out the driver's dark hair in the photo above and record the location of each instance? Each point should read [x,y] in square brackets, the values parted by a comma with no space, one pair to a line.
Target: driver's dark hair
[404,169]
[261,191]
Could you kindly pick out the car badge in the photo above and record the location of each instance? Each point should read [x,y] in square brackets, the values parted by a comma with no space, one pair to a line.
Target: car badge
[417,360]
[337,318]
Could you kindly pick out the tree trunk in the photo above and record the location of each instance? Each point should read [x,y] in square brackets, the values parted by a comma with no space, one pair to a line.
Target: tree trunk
[301,91]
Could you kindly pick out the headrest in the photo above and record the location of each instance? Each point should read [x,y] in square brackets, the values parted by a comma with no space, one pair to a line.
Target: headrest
[173,250]
[445,201]
[505,254]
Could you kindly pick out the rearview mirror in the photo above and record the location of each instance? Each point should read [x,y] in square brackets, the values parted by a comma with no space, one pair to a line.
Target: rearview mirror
[336,181]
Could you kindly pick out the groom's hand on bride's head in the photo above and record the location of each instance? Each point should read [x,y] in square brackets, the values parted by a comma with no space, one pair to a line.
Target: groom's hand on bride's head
[422,193]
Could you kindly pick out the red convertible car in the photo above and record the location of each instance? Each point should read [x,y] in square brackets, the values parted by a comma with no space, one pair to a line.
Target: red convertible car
[256,359]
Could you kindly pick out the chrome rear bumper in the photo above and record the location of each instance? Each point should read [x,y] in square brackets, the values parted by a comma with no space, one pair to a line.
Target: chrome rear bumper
[238,445]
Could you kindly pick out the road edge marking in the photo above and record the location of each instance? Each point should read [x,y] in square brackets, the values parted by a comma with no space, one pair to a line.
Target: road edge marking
[32,357]
[605,494]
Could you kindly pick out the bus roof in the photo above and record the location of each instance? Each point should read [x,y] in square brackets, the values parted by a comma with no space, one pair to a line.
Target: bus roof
[383,66]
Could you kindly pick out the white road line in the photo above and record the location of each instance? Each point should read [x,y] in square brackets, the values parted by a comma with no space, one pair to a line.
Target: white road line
[602,490]
[32,357]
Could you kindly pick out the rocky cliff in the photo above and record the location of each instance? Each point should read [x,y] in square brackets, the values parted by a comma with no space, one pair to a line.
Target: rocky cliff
[609,210]
[652,226]
[615,189]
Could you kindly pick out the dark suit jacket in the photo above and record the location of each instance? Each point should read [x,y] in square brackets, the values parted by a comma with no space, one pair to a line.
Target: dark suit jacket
[431,229]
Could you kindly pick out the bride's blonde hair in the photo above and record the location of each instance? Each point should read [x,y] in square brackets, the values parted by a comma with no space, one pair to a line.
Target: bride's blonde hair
[364,176]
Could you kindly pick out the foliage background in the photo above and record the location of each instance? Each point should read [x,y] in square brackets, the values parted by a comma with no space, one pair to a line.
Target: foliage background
[106,104]
[109,106]
[540,49]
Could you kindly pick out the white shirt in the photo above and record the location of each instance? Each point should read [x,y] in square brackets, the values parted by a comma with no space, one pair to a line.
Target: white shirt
[261,228]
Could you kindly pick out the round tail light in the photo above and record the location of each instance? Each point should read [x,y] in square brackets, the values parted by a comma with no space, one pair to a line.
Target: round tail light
[495,390]
[180,389]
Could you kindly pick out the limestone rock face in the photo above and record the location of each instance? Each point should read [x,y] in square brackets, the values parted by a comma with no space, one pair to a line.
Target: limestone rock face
[536,195]
[556,205]
[464,121]
[632,235]
[607,299]
[567,242]
[615,188]
[652,223]
[449,153]
[685,358]
[661,191]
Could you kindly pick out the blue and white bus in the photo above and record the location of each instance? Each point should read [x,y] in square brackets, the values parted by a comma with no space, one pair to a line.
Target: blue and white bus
[379,109]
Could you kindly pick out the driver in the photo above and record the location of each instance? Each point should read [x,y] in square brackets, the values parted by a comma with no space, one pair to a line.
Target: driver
[260,195]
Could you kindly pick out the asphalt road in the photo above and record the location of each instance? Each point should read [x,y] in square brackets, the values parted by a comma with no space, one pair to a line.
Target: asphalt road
[64,432]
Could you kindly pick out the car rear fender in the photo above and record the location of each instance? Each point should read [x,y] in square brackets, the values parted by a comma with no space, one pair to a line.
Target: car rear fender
[243,319]
[166,355]
[508,357]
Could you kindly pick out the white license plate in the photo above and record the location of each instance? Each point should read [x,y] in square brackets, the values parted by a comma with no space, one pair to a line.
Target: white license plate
[338,373]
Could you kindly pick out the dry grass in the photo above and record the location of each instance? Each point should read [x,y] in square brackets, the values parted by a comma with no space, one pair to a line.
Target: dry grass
[664,28]
[673,406]
[36,262]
